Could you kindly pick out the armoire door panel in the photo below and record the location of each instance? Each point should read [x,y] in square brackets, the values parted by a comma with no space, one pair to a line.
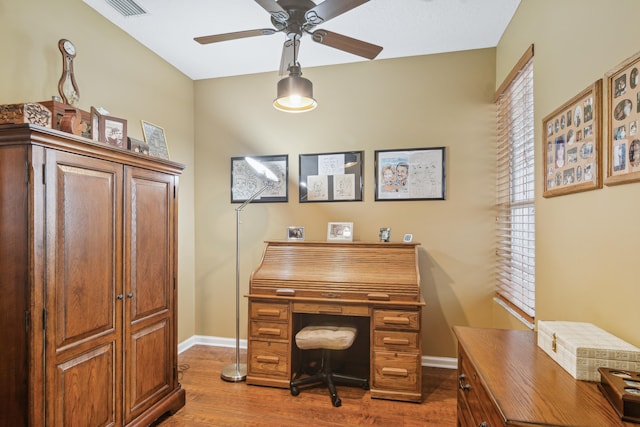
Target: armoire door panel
[149,378]
[84,255]
[148,242]
[89,374]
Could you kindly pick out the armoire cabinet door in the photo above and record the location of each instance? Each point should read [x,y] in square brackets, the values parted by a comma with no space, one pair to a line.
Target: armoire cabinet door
[84,298]
[149,288]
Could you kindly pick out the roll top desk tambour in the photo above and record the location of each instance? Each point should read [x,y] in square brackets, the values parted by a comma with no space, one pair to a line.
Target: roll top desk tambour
[375,280]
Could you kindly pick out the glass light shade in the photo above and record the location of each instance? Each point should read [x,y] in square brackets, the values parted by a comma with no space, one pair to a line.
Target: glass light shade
[295,93]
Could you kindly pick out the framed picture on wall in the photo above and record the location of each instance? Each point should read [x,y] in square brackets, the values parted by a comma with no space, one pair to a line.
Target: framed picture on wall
[331,177]
[623,119]
[246,180]
[411,174]
[572,143]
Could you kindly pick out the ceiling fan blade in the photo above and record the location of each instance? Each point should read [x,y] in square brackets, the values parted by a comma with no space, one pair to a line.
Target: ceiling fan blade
[347,44]
[274,9]
[288,55]
[329,9]
[233,36]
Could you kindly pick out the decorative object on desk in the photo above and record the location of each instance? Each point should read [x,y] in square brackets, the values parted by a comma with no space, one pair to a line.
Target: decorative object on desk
[295,233]
[331,177]
[238,371]
[245,180]
[67,85]
[137,146]
[72,122]
[408,238]
[108,129]
[58,111]
[623,119]
[572,143]
[385,234]
[30,112]
[410,174]
[622,390]
[581,348]
[155,137]
[340,231]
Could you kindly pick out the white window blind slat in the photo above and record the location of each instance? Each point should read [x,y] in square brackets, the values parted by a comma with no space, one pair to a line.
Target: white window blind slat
[515,193]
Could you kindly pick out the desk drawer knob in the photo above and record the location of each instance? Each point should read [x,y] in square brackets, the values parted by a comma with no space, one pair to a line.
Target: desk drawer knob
[268,331]
[396,320]
[461,385]
[395,372]
[268,359]
[269,312]
[395,341]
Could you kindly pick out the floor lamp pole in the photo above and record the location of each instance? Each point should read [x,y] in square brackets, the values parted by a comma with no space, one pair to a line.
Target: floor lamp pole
[237,371]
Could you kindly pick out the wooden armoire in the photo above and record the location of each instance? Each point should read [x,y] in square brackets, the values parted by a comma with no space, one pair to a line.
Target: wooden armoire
[88,274]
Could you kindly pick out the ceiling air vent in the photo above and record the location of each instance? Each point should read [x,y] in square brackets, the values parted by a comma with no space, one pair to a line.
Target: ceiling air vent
[127,7]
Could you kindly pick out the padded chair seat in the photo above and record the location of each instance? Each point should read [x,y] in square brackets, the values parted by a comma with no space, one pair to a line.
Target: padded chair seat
[326,337]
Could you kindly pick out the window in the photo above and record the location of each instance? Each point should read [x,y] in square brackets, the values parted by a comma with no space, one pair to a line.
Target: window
[515,195]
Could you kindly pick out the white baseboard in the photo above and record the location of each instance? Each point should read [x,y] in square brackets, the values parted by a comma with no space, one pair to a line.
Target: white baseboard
[430,361]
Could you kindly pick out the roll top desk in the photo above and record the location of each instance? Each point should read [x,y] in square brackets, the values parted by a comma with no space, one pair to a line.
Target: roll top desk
[375,283]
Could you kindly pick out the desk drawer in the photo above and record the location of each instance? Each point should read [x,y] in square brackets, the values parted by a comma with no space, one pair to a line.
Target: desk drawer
[337,309]
[396,319]
[269,358]
[269,311]
[270,330]
[397,371]
[395,340]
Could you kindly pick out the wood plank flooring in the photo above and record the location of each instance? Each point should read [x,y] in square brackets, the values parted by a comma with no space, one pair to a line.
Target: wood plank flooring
[214,402]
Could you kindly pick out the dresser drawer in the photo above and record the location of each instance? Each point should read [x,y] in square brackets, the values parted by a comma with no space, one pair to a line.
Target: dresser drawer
[472,392]
[269,358]
[396,319]
[396,340]
[269,311]
[269,330]
[396,371]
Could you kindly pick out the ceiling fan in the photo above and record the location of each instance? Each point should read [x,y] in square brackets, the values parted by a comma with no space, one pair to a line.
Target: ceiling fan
[297,17]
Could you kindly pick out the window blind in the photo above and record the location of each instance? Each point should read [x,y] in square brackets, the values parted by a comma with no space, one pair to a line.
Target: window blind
[515,195]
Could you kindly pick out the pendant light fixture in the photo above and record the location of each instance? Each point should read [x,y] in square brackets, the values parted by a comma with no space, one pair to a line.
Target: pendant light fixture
[295,93]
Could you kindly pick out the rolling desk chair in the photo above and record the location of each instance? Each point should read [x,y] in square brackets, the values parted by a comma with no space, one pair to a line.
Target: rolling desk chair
[327,338]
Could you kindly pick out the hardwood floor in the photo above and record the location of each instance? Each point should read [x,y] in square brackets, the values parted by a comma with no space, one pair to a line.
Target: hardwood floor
[214,402]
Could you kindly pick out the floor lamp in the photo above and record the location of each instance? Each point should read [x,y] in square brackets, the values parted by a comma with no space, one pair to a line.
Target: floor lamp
[237,371]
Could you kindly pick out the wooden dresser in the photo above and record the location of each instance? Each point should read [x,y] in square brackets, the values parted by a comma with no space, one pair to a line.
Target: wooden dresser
[88,267]
[376,284]
[505,379]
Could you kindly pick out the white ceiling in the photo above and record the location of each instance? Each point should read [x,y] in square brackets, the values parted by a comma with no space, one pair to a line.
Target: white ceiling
[402,27]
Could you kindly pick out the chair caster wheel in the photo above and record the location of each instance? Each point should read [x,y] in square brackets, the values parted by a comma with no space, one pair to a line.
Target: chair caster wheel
[295,391]
[336,402]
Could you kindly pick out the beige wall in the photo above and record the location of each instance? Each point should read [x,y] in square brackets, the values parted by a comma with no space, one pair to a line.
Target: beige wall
[427,101]
[585,249]
[586,244]
[115,72]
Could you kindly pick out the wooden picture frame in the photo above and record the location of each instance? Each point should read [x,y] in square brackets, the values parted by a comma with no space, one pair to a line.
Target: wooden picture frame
[108,129]
[245,180]
[295,232]
[154,136]
[410,174]
[331,177]
[340,231]
[572,144]
[623,119]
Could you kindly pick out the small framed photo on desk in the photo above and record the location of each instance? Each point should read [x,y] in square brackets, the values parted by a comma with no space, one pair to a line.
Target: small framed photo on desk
[340,231]
[295,232]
